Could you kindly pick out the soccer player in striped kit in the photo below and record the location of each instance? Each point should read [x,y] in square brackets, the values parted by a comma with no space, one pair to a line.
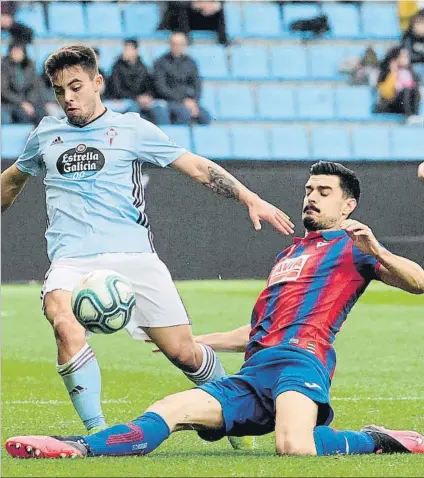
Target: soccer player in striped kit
[92,161]
[285,381]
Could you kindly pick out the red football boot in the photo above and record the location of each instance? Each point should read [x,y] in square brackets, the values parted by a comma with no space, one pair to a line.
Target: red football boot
[45,447]
[395,441]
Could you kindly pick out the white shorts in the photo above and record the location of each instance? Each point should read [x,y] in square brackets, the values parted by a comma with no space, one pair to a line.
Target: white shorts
[158,301]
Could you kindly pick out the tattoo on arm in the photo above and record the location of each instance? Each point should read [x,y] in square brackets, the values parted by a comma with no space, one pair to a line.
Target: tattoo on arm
[221,183]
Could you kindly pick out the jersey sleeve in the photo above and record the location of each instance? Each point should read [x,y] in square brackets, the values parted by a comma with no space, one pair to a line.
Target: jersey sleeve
[154,146]
[365,264]
[30,161]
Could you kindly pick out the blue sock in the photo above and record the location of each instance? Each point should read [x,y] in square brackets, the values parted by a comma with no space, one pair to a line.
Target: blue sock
[138,437]
[331,442]
[211,368]
[82,379]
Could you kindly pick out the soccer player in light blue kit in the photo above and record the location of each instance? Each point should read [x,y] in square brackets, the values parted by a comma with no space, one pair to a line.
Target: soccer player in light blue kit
[95,205]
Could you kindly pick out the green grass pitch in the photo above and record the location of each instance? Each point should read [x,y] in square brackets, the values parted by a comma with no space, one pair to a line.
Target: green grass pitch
[379,379]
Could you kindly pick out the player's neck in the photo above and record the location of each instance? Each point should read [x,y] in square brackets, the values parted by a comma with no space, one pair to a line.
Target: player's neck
[99,111]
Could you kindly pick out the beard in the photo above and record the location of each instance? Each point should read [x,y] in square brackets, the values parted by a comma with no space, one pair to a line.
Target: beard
[81,119]
[312,224]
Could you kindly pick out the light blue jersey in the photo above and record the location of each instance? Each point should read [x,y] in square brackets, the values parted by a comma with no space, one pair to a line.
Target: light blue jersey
[94,193]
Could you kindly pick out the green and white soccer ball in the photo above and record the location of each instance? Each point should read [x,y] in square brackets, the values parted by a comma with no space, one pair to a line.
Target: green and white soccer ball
[103,301]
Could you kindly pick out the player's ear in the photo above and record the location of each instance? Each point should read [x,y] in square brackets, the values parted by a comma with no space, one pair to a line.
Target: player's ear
[349,206]
[98,81]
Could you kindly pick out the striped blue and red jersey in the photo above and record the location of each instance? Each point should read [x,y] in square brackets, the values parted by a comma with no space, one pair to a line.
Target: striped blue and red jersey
[312,287]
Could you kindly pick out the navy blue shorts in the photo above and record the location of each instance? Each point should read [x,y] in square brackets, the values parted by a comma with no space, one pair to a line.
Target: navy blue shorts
[248,397]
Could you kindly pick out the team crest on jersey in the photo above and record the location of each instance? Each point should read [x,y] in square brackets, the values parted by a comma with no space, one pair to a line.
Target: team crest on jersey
[80,162]
[111,134]
[287,270]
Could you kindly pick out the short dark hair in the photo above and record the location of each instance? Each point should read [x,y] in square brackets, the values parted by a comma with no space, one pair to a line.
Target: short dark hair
[349,181]
[131,41]
[72,55]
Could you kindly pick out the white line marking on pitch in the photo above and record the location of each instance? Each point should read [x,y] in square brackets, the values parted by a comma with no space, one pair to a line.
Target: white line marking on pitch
[56,402]
[124,401]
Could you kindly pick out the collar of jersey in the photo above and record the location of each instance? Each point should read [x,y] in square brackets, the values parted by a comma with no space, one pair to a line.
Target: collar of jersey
[327,235]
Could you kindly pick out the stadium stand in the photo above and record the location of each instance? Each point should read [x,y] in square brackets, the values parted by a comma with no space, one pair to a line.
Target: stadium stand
[59,14]
[370,143]
[33,16]
[212,142]
[270,95]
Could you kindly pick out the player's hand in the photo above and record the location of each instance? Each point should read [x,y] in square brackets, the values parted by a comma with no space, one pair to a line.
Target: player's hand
[362,236]
[421,171]
[260,210]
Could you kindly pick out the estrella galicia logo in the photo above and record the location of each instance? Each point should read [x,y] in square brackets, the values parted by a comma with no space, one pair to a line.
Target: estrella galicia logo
[80,162]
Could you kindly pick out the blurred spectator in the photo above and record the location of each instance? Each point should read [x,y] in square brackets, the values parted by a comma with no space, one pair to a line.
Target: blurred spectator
[130,87]
[182,16]
[406,10]
[362,71]
[413,41]
[398,85]
[19,33]
[178,82]
[20,88]
[8,7]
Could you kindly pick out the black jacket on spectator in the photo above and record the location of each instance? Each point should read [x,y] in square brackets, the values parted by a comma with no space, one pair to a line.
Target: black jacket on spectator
[20,33]
[176,78]
[415,45]
[19,82]
[129,80]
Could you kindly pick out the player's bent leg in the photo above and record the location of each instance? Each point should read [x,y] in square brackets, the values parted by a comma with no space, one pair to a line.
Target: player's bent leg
[296,417]
[162,315]
[77,363]
[296,432]
[198,362]
[192,409]
[69,334]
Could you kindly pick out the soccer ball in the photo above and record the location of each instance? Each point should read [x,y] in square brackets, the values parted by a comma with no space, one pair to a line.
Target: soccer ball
[103,301]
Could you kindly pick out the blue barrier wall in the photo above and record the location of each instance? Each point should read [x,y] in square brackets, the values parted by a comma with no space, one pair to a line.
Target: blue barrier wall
[200,235]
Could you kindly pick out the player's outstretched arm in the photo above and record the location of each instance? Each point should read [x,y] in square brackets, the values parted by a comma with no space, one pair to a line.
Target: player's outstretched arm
[12,183]
[400,272]
[222,182]
[232,341]
[421,171]
[395,270]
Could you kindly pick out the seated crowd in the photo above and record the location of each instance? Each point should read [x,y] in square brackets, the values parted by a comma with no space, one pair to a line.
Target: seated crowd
[398,76]
[169,94]
[401,72]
